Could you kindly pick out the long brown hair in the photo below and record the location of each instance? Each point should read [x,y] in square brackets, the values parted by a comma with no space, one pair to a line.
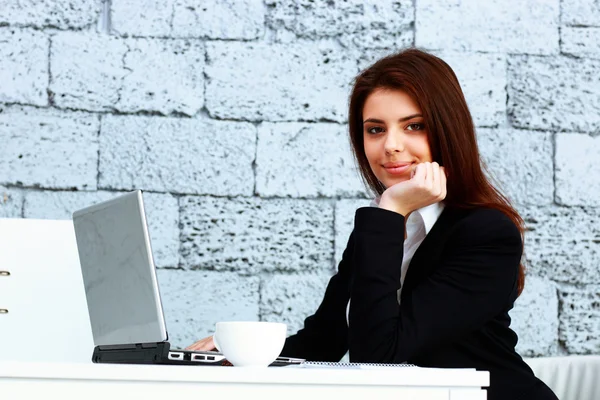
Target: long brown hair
[450,130]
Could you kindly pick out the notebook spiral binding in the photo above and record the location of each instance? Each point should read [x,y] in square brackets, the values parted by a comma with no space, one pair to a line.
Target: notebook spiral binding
[354,365]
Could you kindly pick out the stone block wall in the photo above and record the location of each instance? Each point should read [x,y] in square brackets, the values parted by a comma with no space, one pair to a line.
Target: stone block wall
[231,116]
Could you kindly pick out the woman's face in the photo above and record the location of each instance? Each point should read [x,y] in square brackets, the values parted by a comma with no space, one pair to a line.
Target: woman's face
[394,135]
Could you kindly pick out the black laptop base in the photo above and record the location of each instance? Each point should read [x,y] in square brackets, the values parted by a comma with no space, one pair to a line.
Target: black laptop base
[151,353]
[161,353]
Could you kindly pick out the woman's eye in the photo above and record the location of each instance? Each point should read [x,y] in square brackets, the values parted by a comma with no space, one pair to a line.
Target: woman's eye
[375,130]
[415,127]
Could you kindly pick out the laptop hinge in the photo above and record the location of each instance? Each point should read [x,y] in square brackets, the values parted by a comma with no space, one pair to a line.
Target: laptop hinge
[137,353]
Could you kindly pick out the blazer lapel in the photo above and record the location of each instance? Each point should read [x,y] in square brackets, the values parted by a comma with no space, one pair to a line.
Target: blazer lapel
[429,252]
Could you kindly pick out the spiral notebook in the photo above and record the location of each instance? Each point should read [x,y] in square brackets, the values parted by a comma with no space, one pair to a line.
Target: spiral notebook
[341,365]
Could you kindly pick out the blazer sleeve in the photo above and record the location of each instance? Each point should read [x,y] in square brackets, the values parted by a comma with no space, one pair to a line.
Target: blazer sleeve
[473,283]
[325,333]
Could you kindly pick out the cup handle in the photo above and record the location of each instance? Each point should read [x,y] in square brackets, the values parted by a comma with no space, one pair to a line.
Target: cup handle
[216,343]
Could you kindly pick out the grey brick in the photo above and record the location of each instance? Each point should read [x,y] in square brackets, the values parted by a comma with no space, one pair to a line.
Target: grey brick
[554,93]
[23,66]
[278,82]
[580,12]
[483,80]
[306,160]
[102,73]
[535,318]
[344,223]
[291,298]
[377,40]
[142,18]
[521,162]
[87,70]
[60,205]
[249,235]
[165,76]
[581,42]
[357,24]
[580,318]
[177,155]
[214,19]
[11,202]
[61,14]
[577,169]
[194,301]
[162,212]
[48,149]
[512,26]
[562,244]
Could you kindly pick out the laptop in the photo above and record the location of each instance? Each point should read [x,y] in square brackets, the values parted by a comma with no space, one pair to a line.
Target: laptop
[121,288]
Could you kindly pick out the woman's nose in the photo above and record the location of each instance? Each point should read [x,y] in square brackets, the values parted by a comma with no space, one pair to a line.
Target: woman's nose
[394,143]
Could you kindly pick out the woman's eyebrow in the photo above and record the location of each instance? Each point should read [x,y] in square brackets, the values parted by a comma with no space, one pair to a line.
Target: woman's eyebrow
[378,121]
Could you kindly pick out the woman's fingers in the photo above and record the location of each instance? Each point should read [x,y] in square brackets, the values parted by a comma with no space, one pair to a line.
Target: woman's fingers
[435,168]
[206,344]
[429,177]
[443,182]
[420,173]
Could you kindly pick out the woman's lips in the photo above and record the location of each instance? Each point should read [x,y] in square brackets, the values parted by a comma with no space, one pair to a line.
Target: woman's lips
[397,168]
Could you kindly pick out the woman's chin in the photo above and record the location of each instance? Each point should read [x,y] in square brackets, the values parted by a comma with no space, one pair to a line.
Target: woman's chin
[391,182]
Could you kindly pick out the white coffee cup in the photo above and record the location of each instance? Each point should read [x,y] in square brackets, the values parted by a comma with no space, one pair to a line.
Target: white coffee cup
[250,343]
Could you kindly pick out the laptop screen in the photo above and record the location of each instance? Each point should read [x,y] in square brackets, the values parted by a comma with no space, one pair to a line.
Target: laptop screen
[118,272]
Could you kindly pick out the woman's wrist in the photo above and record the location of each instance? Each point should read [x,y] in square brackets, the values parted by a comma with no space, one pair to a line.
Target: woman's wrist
[390,205]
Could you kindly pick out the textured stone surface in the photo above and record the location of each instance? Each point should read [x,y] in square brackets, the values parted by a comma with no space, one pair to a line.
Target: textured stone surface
[521,162]
[11,202]
[278,82]
[577,169]
[580,12]
[580,318]
[344,223]
[249,235]
[356,23]
[554,93]
[164,76]
[142,17]
[23,66]
[291,298]
[306,160]
[535,318]
[61,204]
[213,19]
[580,42]
[483,81]
[562,244]
[87,70]
[177,155]
[162,213]
[178,18]
[61,14]
[512,26]
[102,73]
[193,301]
[49,149]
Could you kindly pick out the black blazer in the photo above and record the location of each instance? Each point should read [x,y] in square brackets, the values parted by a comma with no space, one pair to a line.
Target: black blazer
[460,285]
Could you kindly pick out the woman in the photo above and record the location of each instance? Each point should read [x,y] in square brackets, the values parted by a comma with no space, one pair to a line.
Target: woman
[432,269]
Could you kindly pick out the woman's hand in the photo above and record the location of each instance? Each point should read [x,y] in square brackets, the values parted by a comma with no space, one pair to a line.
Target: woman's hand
[427,186]
[206,344]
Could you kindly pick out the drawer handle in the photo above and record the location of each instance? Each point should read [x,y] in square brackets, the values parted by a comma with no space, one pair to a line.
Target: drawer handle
[4,273]
[3,311]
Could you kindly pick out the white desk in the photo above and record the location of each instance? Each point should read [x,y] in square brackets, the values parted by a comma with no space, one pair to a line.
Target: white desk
[95,381]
